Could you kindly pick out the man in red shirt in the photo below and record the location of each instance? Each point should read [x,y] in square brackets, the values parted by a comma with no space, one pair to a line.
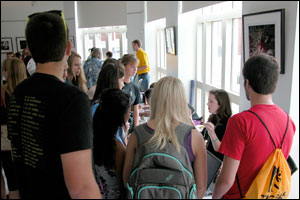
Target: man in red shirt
[246,144]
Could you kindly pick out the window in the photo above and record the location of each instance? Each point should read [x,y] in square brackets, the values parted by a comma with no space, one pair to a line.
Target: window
[161,54]
[236,54]
[112,38]
[216,53]
[219,48]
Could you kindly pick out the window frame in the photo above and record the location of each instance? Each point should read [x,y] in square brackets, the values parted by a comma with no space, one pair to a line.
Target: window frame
[99,30]
[204,47]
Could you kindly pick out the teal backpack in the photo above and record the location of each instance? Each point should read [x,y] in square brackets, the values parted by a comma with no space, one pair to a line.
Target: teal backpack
[161,174]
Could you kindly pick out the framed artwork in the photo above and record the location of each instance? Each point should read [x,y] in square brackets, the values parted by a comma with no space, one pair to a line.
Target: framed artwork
[21,43]
[263,32]
[6,45]
[72,40]
[170,40]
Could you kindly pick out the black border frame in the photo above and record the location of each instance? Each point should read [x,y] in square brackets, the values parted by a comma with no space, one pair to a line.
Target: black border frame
[17,43]
[282,37]
[11,42]
[174,40]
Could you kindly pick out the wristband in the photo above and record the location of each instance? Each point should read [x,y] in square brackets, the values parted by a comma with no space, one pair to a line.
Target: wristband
[213,141]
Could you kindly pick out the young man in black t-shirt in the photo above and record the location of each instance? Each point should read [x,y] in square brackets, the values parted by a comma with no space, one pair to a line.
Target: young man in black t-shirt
[49,122]
[130,63]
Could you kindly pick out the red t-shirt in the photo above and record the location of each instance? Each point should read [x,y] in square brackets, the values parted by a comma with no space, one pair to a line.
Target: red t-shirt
[247,140]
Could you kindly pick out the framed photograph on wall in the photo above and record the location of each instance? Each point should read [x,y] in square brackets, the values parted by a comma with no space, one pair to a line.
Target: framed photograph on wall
[21,43]
[170,40]
[263,32]
[72,40]
[6,45]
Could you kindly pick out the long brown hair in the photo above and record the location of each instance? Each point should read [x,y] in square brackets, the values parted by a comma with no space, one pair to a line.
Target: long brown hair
[81,80]
[224,110]
[16,73]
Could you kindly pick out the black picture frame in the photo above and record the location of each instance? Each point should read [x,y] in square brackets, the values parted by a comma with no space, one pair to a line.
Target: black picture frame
[6,45]
[72,40]
[263,32]
[170,40]
[21,43]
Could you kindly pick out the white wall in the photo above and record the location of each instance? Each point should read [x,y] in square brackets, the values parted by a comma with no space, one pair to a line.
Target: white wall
[287,92]
[187,49]
[14,17]
[168,10]
[150,33]
[13,22]
[193,5]
[135,15]
[101,13]
[282,94]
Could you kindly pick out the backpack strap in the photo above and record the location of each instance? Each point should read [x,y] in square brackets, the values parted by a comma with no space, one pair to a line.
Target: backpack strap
[238,183]
[288,120]
[287,126]
[182,131]
[264,125]
[237,178]
[142,133]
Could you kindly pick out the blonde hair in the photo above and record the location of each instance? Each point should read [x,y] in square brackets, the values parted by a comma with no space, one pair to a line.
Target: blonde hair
[16,73]
[169,107]
[81,80]
[129,58]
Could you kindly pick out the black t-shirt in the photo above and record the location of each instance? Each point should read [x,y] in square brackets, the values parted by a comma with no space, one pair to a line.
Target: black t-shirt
[3,109]
[220,131]
[46,118]
[134,92]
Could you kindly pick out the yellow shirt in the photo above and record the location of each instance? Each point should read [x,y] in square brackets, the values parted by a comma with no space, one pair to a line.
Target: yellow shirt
[143,58]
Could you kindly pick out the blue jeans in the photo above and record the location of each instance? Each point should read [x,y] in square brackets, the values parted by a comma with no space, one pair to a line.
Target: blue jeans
[144,85]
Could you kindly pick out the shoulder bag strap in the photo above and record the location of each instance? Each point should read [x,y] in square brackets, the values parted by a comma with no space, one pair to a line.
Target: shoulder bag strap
[288,120]
[237,179]
[287,126]
[238,183]
[264,126]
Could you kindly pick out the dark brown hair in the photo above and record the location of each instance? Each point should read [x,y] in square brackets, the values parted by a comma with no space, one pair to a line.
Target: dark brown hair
[112,70]
[138,42]
[109,116]
[46,37]
[262,72]
[224,110]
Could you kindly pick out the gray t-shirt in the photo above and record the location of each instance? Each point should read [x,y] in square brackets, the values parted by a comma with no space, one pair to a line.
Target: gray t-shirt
[134,92]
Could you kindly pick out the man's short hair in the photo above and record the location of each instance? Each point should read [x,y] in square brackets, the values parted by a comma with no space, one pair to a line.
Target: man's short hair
[138,42]
[46,37]
[262,72]
[109,54]
[96,53]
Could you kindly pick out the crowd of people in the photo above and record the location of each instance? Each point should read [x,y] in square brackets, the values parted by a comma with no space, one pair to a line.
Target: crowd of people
[72,131]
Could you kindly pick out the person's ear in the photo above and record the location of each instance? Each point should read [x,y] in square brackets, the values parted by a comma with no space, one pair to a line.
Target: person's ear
[28,50]
[69,48]
[247,84]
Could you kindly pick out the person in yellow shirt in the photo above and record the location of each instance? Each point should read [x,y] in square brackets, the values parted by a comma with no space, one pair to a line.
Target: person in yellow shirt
[143,66]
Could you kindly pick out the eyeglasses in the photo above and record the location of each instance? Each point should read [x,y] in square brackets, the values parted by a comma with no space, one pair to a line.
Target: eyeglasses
[57,12]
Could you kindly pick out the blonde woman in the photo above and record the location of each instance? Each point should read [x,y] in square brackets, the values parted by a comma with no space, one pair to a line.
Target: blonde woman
[75,74]
[169,110]
[14,72]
